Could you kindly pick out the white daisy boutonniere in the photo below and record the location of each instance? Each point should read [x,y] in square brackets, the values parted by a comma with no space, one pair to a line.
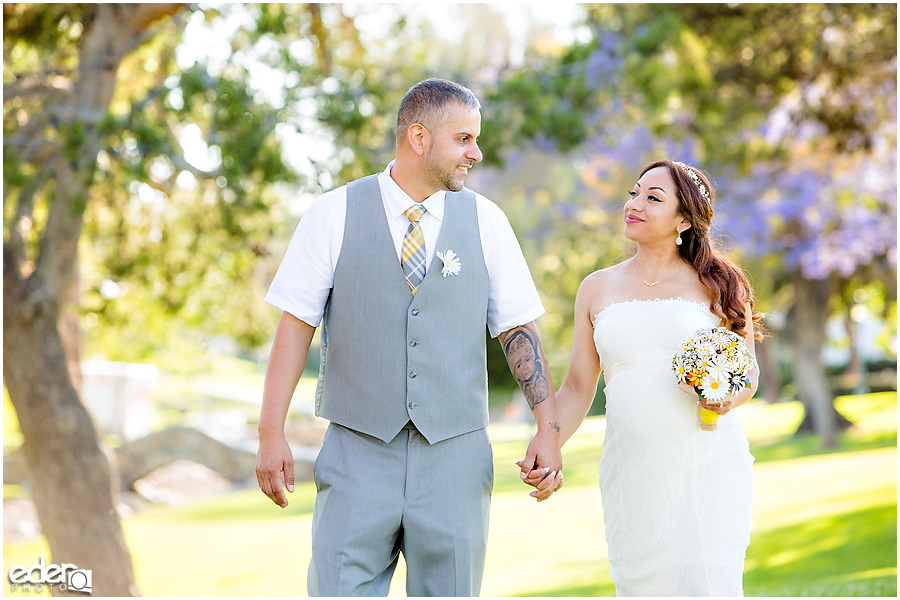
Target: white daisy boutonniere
[451,263]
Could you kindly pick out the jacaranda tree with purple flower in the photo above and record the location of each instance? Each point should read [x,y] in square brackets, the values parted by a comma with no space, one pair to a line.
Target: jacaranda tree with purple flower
[790,108]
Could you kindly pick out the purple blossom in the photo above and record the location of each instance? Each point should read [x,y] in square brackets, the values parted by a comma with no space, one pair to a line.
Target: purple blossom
[605,63]
[821,220]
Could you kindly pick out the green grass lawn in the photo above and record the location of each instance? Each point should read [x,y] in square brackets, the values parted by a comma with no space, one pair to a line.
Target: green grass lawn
[825,522]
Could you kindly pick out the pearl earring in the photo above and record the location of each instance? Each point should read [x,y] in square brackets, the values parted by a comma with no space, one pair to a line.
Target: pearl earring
[678,239]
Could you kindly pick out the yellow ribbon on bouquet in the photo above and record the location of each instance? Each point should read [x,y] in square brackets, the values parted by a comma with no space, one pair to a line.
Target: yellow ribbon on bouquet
[708,419]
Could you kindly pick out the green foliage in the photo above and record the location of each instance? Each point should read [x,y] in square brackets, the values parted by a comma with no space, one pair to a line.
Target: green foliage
[728,66]
[192,249]
[52,28]
[538,103]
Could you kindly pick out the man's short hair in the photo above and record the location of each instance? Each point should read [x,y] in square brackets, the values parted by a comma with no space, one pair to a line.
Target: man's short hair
[427,102]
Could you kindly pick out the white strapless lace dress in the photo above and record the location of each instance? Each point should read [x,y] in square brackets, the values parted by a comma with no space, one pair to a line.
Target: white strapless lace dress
[676,499]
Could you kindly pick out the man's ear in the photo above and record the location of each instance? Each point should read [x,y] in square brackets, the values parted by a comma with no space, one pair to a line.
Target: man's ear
[418,138]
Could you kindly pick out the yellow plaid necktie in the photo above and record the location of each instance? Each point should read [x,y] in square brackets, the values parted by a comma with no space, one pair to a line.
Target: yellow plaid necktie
[412,258]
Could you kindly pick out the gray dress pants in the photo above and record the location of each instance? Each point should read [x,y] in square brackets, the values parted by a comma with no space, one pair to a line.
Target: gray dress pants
[377,499]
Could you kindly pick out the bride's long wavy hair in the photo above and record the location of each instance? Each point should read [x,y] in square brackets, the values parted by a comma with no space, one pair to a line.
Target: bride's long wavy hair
[727,281]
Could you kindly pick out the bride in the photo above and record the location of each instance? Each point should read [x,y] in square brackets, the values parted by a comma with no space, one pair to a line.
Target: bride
[676,499]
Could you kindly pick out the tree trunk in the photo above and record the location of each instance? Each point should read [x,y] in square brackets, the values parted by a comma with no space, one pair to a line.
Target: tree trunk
[806,321]
[770,379]
[68,467]
[70,331]
[806,425]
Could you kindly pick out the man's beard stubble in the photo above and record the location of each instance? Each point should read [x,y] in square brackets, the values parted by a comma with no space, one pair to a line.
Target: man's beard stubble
[443,178]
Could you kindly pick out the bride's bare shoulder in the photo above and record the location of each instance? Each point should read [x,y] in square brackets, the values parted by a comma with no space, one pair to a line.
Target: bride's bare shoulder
[596,288]
[602,278]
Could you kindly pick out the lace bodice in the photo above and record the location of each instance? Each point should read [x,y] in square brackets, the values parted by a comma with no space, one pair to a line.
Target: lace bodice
[646,330]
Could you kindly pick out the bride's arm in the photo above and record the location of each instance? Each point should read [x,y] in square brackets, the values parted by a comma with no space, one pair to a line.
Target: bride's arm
[576,394]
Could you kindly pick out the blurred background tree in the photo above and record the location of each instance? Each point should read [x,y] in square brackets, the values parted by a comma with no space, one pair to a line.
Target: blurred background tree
[59,77]
[791,109]
[171,171]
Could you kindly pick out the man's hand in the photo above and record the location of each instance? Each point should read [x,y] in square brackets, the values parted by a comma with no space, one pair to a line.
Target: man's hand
[274,458]
[545,482]
[542,466]
[289,352]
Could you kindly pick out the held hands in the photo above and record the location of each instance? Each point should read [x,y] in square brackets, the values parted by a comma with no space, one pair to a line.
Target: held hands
[545,482]
[274,458]
[542,466]
[722,409]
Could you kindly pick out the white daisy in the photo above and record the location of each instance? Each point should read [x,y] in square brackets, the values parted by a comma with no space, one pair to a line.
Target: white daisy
[451,263]
[720,368]
[721,342]
[678,365]
[714,391]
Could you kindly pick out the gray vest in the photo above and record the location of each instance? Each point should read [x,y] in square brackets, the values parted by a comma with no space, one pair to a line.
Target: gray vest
[388,358]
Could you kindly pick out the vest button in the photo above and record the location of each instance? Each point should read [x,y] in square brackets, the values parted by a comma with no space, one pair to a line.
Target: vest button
[412,375]
[413,344]
[414,312]
[412,405]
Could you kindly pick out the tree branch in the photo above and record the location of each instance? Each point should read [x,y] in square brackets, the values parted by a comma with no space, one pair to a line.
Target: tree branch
[22,87]
[318,30]
[32,144]
[109,32]
[139,17]
[24,209]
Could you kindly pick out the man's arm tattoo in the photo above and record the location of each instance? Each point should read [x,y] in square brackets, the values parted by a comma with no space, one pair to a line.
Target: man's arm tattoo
[527,361]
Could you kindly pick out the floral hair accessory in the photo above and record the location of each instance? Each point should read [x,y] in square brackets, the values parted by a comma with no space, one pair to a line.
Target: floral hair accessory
[696,178]
[451,263]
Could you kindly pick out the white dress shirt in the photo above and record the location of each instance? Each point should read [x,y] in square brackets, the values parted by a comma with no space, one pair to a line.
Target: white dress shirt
[306,275]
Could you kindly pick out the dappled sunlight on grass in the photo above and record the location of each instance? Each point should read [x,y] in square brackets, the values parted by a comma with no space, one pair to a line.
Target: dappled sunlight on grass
[858,541]
[223,557]
[769,427]
[765,423]
[12,437]
[535,546]
[246,504]
[870,411]
[864,537]
[805,488]
[863,585]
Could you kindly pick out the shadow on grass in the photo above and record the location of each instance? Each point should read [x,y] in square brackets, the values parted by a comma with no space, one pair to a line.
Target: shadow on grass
[239,506]
[810,444]
[807,554]
[825,556]
[600,589]
[857,587]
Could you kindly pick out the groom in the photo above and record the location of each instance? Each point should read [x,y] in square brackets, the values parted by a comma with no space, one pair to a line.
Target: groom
[404,269]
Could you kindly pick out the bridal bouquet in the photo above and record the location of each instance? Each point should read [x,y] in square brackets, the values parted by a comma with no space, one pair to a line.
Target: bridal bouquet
[713,361]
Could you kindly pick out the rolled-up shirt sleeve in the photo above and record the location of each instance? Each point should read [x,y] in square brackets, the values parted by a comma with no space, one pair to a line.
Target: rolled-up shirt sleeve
[513,299]
[304,280]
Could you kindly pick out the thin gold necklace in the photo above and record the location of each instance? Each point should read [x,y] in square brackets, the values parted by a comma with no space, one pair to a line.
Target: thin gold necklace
[650,283]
